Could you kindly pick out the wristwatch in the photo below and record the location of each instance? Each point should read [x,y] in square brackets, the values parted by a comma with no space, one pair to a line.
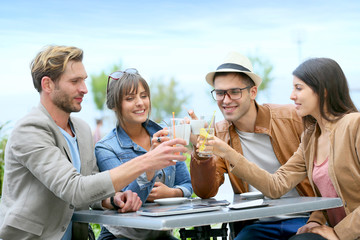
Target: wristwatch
[113,203]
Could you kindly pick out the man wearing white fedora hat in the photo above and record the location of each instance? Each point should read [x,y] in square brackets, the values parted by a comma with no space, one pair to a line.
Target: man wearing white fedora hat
[265,134]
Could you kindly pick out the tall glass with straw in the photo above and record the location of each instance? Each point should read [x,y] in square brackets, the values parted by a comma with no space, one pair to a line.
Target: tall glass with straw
[179,129]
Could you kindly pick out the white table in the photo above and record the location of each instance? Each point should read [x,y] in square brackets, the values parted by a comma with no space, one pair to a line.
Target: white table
[224,215]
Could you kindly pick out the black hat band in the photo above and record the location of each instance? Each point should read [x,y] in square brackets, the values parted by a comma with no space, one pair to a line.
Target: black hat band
[233,66]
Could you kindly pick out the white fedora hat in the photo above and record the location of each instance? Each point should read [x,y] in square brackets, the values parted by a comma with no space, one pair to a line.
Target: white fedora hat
[235,62]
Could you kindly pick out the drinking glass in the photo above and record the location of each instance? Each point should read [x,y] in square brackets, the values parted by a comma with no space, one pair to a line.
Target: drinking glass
[205,134]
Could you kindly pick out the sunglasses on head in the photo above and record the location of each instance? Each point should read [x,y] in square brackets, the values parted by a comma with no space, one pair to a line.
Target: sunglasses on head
[118,74]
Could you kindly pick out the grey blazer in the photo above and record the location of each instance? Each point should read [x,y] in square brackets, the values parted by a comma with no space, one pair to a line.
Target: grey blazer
[41,187]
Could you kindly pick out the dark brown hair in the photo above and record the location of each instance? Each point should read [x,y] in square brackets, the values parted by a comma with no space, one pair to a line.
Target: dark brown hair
[326,78]
[127,84]
[244,77]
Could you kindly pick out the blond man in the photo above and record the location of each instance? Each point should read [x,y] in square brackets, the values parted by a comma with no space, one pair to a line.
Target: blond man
[50,168]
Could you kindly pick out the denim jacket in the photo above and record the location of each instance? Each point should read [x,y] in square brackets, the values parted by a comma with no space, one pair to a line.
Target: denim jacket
[117,148]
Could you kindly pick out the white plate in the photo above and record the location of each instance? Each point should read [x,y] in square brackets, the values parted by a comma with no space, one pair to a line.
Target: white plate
[252,195]
[169,201]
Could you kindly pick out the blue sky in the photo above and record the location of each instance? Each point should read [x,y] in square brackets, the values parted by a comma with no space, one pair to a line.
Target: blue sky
[180,39]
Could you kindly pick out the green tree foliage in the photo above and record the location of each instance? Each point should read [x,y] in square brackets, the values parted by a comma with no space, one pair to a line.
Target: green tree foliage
[165,99]
[263,68]
[98,86]
[3,141]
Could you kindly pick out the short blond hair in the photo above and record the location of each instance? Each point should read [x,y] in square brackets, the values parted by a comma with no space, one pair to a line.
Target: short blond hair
[52,61]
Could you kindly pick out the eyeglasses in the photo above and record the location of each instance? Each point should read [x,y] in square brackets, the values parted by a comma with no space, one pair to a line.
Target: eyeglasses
[118,74]
[233,93]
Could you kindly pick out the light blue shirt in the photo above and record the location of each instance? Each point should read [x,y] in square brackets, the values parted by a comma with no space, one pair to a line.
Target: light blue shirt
[75,157]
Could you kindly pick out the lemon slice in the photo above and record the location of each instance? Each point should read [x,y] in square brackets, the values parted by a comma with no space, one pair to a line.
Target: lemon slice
[203,132]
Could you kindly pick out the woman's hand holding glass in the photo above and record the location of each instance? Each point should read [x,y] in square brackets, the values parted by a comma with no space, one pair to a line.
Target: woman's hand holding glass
[216,145]
[159,137]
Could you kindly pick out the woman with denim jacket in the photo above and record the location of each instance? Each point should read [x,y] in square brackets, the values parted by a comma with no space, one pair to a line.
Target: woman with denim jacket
[128,94]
